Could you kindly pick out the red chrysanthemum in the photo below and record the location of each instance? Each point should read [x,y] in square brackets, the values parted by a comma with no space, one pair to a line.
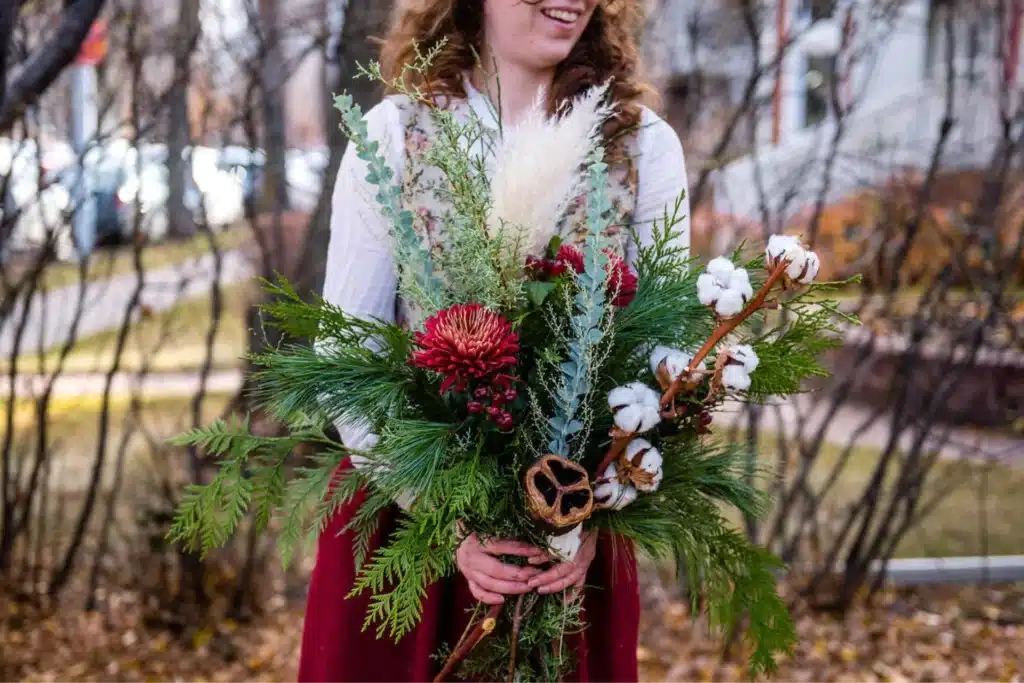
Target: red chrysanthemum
[466,342]
[621,280]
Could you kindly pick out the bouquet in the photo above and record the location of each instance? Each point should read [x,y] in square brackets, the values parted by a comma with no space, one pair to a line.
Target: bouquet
[540,387]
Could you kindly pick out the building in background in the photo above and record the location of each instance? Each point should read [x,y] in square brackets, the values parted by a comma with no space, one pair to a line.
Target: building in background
[883,63]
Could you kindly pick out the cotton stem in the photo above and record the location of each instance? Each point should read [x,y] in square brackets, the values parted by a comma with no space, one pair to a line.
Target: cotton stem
[620,440]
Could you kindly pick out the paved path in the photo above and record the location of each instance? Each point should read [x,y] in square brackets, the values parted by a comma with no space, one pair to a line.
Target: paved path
[958,443]
[962,442]
[51,314]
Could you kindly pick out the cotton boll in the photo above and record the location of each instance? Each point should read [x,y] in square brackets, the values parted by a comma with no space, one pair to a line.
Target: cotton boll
[676,363]
[627,497]
[612,494]
[797,262]
[721,269]
[657,355]
[621,396]
[739,281]
[812,265]
[646,458]
[636,406]
[735,377]
[779,246]
[708,289]
[637,419]
[630,419]
[610,489]
[568,544]
[744,353]
[729,304]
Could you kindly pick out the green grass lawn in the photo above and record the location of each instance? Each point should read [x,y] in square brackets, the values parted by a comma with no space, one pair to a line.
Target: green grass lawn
[107,263]
[168,341]
[953,529]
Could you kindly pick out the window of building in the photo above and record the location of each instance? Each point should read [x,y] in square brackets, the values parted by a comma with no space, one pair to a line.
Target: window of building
[821,73]
[815,10]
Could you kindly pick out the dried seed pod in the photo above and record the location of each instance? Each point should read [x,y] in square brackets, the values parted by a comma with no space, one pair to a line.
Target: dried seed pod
[558,493]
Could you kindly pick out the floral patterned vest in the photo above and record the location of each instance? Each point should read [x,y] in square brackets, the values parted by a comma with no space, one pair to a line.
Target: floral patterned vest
[422,183]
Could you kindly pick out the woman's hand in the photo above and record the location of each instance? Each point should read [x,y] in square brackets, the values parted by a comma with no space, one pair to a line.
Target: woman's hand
[568,574]
[489,578]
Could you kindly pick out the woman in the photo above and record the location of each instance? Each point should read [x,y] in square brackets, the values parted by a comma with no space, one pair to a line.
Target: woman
[564,47]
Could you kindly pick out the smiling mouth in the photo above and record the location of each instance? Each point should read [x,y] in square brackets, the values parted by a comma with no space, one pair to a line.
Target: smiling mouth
[562,16]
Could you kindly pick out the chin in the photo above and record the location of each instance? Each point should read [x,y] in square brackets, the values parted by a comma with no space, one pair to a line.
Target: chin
[549,58]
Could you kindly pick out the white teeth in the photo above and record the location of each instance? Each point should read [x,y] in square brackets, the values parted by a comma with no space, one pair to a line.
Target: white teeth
[562,15]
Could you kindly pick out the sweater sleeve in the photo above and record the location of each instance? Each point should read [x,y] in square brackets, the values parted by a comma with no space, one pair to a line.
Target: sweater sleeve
[661,168]
[361,277]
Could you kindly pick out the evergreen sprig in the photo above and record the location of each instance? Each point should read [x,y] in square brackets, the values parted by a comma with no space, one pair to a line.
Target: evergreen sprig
[337,383]
[208,515]
[665,310]
[682,520]
[422,549]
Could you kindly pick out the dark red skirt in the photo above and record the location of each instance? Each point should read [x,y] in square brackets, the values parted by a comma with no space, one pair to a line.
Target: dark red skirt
[336,648]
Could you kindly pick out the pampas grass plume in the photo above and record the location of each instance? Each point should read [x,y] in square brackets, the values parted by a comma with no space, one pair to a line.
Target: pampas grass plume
[539,168]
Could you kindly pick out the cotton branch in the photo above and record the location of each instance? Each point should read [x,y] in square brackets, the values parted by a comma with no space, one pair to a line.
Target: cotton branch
[723,329]
[46,64]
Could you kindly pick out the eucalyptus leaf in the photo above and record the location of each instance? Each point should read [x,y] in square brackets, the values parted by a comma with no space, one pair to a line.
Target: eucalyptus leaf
[538,292]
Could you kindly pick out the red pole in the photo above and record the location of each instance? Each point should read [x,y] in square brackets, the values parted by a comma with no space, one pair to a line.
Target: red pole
[780,33]
[1012,56]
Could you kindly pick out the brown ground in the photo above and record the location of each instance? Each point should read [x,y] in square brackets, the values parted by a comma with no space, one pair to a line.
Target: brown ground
[939,634]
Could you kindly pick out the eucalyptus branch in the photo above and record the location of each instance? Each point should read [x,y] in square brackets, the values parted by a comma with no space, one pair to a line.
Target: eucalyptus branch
[586,324]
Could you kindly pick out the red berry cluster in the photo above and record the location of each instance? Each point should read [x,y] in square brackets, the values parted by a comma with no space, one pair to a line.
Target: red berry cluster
[700,419]
[498,394]
[704,422]
[621,279]
[545,268]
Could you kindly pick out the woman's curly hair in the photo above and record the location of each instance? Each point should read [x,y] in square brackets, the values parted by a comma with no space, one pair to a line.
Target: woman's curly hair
[607,51]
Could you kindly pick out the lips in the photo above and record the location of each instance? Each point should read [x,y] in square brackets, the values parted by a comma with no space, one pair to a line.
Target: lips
[562,16]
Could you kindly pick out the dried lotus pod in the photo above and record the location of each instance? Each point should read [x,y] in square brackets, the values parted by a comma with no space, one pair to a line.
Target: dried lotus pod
[558,493]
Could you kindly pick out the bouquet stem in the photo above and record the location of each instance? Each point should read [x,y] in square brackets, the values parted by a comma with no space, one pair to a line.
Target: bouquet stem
[469,641]
[517,618]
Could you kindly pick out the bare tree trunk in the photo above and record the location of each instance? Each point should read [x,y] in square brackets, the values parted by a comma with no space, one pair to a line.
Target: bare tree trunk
[273,75]
[180,220]
[43,67]
[351,44]
[8,17]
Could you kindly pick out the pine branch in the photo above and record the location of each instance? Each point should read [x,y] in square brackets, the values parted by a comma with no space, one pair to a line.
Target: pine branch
[338,383]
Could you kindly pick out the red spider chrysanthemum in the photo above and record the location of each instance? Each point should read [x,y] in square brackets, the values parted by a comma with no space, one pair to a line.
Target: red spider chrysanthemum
[466,342]
[621,280]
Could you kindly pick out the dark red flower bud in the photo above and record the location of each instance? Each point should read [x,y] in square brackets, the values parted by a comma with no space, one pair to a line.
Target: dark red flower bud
[475,407]
[482,392]
[494,412]
[505,421]
[510,395]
